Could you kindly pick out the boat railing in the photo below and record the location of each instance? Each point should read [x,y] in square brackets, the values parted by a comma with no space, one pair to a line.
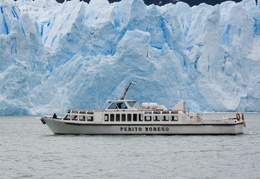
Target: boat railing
[144,111]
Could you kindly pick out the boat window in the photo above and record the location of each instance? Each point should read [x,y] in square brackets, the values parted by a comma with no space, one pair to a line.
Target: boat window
[123,117]
[106,118]
[90,118]
[165,118]
[166,112]
[147,118]
[131,104]
[156,118]
[74,117]
[112,106]
[112,117]
[117,117]
[129,117]
[67,117]
[174,118]
[82,118]
[121,105]
[134,117]
[140,117]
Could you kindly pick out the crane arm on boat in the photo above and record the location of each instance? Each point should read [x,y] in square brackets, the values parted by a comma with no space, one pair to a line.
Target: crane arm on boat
[126,90]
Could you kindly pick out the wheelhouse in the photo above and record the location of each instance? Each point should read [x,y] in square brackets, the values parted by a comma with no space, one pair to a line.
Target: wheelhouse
[123,105]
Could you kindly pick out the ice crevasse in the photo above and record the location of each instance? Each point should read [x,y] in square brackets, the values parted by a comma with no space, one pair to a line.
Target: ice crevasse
[55,57]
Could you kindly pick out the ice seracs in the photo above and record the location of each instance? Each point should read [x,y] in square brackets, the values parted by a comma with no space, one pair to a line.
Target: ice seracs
[55,56]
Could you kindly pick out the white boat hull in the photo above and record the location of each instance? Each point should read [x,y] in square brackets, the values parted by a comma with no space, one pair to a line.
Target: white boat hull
[62,127]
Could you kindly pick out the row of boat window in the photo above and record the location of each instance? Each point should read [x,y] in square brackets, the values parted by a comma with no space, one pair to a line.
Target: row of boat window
[138,117]
[78,118]
[123,117]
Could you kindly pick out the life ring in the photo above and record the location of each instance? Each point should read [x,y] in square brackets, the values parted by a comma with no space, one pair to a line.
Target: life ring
[243,117]
[238,116]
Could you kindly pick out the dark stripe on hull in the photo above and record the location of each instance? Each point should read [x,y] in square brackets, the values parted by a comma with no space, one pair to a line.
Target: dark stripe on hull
[76,124]
[151,134]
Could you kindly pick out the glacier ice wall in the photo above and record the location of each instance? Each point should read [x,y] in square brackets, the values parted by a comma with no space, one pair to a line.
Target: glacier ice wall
[77,55]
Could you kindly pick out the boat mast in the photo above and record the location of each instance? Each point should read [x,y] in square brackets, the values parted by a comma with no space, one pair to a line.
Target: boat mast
[126,90]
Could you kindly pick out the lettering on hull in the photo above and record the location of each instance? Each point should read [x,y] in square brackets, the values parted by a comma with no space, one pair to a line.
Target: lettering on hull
[144,129]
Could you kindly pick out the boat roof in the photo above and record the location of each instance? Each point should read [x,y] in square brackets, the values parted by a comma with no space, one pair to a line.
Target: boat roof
[132,101]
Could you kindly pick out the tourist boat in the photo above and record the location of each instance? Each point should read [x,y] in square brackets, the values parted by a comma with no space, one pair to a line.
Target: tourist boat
[127,117]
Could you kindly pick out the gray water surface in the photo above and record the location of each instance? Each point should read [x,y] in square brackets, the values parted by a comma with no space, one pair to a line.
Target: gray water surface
[28,149]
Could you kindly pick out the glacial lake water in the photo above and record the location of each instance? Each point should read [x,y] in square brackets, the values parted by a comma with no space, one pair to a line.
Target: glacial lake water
[28,149]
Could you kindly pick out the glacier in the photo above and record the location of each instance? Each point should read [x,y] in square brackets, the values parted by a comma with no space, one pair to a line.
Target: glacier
[55,57]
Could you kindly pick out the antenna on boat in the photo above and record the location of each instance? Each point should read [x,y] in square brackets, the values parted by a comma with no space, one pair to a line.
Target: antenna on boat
[126,90]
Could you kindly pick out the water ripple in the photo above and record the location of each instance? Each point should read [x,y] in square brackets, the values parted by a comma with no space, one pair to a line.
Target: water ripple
[29,150]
